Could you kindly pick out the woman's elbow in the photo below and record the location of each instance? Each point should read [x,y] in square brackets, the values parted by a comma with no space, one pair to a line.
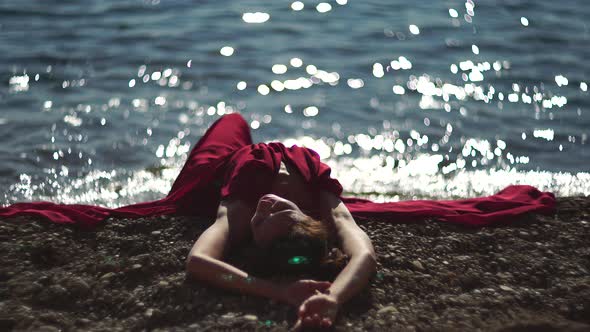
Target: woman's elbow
[193,264]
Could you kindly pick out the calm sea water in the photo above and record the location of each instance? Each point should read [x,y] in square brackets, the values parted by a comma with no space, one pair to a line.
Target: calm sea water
[100,101]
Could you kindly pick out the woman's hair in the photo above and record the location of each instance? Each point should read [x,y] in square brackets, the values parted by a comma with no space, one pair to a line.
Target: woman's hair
[306,249]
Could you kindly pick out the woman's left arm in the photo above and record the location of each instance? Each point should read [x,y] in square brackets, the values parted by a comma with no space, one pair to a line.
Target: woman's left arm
[355,243]
[320,310]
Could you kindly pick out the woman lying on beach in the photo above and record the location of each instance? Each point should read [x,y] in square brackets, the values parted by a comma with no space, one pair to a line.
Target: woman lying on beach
[291,238]
[274,211]
[284,200]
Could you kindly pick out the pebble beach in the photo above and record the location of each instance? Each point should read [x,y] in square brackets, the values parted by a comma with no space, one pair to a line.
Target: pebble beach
[128,275]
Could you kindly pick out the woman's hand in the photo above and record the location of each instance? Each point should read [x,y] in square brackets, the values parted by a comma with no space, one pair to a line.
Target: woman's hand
[318,311]
[297,292]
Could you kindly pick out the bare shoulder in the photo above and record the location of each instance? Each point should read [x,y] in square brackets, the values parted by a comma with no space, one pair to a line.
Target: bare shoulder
[238,215]
[353,239]
[230,229]
[333,209]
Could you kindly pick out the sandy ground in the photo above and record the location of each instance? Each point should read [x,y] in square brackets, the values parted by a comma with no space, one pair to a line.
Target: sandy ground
[129,276]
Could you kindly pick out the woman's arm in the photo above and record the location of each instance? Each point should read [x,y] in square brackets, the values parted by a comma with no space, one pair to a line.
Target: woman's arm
[355,243]
[205,263]
[320,310]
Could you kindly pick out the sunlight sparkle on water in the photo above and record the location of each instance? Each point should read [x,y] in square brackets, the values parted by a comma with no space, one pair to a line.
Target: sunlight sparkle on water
[263,89]
[547,134]
[311,111]
[378,70]
[241,85]
[256,17]
[323,7]
[160,100]
[19,83]
[279,69]
[297,5]
[561,80]
[226,51]
[355,83]
[399,90]
[277,85]
[296,62]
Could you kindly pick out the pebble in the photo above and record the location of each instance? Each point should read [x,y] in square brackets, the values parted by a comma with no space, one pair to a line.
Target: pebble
[136,266]
[252,318]
[78,286]
[228,316]
[107,276]
[506,288]
[83,321]
[149,312]
[156,233]
[387,309]
[164,283]
[418,265]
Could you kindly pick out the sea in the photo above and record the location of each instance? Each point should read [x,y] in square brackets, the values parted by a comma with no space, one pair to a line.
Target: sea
[101,101]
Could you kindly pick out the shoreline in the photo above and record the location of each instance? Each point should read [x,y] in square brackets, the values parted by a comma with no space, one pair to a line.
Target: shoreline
[129,275]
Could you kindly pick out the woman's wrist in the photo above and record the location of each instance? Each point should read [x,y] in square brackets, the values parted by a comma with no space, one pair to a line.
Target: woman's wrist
[269,289]
[334,297]
[278,294]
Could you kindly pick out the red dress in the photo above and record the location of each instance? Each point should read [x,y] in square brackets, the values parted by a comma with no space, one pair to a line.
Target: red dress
[225,164]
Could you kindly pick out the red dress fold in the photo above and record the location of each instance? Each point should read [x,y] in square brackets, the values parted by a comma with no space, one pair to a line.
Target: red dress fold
[225,163]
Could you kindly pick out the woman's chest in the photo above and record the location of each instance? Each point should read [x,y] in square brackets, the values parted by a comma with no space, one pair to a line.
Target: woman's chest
[291,185]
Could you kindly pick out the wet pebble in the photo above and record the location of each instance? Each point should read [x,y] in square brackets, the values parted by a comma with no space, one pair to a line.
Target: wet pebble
[387,309]
[506,288]
[78,286]
[418,265]
[252,318]
[107,276]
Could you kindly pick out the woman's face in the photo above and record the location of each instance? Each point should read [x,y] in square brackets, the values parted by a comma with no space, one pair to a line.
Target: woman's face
[273,218]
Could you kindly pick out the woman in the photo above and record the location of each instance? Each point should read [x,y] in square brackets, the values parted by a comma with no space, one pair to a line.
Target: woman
[284,200]
[272,221]
[263,198]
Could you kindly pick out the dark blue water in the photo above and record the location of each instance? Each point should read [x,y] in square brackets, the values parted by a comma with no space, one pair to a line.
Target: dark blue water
[101,101]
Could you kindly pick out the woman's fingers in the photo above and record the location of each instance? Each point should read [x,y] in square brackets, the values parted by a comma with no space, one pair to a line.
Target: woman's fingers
[319,285]
[312,321]
[297,327]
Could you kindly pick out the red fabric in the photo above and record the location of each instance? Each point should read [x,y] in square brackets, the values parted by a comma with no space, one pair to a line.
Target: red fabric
[225,163]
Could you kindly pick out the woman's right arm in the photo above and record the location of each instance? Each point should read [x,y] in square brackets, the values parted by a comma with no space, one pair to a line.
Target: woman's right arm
[205,263]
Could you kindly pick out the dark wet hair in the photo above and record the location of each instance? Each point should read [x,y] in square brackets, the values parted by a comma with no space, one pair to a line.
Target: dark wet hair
[306,249]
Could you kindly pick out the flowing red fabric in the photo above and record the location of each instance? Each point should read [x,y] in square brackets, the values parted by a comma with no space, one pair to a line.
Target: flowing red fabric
[225,164]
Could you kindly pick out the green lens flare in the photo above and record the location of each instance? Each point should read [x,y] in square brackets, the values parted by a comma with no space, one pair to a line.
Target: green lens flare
[298,260]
